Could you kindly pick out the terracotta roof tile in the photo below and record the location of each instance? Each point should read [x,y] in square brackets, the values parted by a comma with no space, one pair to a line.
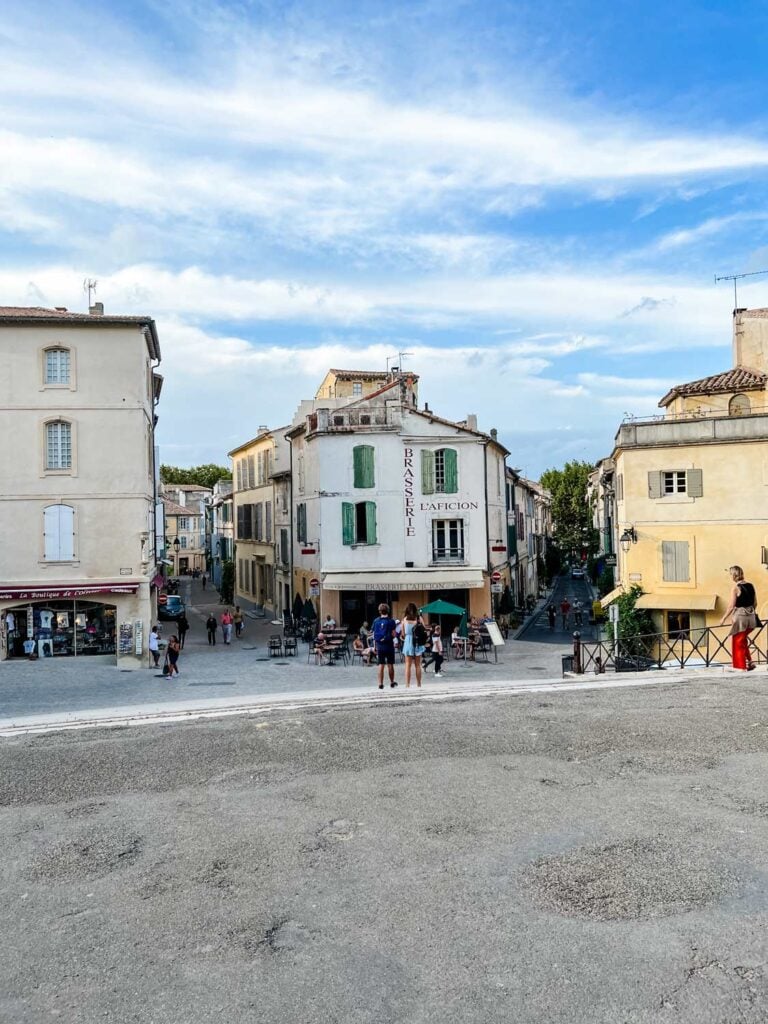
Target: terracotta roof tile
[738,379]
[172,509]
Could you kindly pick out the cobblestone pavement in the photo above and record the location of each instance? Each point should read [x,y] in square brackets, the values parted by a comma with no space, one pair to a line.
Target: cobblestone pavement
[590,857]
[242,669]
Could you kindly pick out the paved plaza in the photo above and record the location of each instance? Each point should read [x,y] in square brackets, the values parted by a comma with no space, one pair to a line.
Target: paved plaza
[585,857]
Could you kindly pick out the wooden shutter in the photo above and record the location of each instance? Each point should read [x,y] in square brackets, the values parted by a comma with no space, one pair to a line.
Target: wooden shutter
[655,484]
[347,522]
[301,522]
[451,470]
[675,561]
[427,471]
[363,465]
[59,533]
[370,522]
[268,522]
[694,483]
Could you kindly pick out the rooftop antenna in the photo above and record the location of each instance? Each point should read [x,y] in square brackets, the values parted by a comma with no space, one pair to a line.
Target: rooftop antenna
[390,359]
[735,278]
[89,286]
[402,356]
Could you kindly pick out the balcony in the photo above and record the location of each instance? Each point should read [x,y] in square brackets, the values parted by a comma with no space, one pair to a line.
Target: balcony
[443,556]
[699,429]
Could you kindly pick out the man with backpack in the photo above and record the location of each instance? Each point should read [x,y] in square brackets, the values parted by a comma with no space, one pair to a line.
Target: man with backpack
[383,629]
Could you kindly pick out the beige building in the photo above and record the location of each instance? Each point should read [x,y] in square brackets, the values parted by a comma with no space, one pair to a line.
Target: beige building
[260,473]
[350,384]
[186,523]
[691,488]
[78,493]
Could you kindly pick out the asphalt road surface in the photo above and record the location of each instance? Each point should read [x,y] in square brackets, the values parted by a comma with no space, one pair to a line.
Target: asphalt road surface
[590,857]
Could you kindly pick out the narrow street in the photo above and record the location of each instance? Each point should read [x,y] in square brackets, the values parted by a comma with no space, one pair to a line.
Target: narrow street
[539,631]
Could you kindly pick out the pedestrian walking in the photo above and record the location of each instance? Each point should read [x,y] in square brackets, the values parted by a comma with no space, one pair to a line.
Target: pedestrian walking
[414,640]
[154,647]
[741,611]
[551,616]
[211,625]
[436,656]
[577,613]
[204,581]
[226,625]
[565,610]
[238,620]
[173,657]
[383,629]
[183,624]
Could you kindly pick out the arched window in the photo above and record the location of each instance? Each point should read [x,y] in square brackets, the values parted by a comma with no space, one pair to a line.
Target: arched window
[58,445]
[57,366]
[59,533]
[739,406]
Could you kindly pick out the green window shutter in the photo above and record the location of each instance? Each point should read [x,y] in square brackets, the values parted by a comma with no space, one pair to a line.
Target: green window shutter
[301,522]
[363,465]
[511,539]
[347,522]
[655,484]
[694,483]
[427,472]
[450,462]
[370,521]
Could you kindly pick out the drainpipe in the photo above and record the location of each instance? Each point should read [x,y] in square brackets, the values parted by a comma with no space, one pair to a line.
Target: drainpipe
[487,525]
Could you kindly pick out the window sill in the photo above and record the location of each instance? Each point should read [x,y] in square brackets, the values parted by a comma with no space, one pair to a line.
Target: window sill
[363,544]
[60,561]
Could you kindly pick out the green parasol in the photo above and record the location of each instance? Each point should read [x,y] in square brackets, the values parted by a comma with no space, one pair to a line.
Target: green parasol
[441,607]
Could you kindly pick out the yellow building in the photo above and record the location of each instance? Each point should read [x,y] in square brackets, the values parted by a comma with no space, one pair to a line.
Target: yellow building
[691,489]
[356,383]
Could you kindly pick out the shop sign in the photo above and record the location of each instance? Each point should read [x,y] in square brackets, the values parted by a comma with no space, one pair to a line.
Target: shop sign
[449,506]
[410,526]
[51,593]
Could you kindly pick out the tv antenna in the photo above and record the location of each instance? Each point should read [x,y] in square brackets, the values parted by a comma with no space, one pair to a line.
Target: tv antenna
[402,356]
[89,286]
[735,278]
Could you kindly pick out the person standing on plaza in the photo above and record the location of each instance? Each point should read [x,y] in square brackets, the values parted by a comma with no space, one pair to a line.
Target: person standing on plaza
[173,657]
[741,611]
[211,625]
[204,581]
[383,629]
[565,609]
[238,620]
[183,625]
[577,614]
[226,625]
[414,639]
[154,647]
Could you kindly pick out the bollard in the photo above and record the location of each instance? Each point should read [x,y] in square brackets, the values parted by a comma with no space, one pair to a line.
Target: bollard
[578,652]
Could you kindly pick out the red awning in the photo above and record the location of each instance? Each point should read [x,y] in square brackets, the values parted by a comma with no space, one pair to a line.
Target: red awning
[38,593]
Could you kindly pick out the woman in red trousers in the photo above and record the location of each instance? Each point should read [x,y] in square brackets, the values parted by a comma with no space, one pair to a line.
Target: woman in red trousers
[741,611]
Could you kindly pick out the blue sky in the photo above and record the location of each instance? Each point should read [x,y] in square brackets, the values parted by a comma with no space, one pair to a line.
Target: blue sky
[530,198]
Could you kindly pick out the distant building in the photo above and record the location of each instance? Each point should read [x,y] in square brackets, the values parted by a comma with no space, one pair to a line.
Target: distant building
[393,503]
[220,533]
[351,384]
[77,483]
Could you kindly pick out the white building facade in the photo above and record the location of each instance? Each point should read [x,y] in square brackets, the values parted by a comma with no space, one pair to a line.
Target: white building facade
[78,487]
[394,504]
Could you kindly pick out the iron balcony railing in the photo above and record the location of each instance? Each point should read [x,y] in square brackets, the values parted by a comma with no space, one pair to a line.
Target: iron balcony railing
[440,554]
[695,648]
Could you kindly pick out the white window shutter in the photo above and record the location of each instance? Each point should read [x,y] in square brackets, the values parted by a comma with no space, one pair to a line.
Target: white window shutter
[655,484]
[66,533]
[694,483]
[51,532]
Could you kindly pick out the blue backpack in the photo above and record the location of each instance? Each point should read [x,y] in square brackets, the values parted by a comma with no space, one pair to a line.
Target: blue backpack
[382,630]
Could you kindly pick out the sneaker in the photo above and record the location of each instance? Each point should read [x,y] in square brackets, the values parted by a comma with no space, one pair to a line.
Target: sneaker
[393,684]
[381,686]
[438,675]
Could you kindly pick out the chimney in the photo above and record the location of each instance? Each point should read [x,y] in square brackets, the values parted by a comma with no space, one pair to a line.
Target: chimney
[494,434]
[262,429]
[97,309]
[471,421]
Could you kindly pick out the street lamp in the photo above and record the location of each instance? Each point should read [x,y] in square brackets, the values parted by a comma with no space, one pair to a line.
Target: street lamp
[176,545]
[628,538]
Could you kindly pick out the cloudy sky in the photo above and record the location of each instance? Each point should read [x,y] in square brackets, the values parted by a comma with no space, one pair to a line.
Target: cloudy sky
[532,199]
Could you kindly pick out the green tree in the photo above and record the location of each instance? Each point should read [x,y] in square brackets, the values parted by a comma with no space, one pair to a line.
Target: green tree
[634,625]
[202,476]
[571,515]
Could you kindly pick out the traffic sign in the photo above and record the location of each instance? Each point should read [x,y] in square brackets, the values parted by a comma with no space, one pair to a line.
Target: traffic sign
[496,588]
[610,559]
[162,599]
[314,582]
[496,577]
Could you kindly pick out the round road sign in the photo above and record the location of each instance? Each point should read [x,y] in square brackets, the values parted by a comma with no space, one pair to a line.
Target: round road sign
[314,582]
[496,577]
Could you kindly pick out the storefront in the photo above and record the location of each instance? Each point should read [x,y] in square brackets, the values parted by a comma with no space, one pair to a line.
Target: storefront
[67,622]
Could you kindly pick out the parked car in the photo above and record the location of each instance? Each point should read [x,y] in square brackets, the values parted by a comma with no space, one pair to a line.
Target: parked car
[577,573]
[171,609]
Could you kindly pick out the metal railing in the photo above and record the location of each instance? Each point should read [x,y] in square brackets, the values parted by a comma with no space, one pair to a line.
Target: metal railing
[696,647]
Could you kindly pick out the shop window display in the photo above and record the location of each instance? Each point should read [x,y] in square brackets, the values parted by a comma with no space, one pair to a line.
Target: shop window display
[61,629]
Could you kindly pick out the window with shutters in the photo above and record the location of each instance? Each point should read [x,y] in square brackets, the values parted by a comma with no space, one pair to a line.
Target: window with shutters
[258,532]
[58,445]
[620,487]
[447,540]
[183,542]
[301,522]
[362,457]
[668,483]
[439,471]
[251,472]
[675,561]
[239,473]
[182,523]
[57,367]
[358,522]
[268,522]
[58,533]
[284,547]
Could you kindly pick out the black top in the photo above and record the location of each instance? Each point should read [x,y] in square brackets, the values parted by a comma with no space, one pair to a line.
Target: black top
[746,595]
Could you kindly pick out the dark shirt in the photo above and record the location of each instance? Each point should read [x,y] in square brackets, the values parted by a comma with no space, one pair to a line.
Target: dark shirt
[211,625]
[746,595]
